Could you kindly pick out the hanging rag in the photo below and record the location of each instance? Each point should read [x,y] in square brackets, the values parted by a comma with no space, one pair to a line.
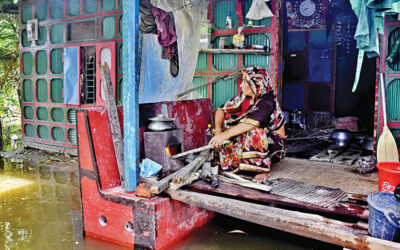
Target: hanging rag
[167,38]
[259,10]
[147,23]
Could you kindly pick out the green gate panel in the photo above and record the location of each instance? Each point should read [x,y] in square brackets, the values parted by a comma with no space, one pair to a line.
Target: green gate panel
[108,5]
[262,22]
[28,112]
[202,62]
[42,90]
[120,90]
[393,100]
[42,35]
[43,132]
[109,27]
[223,91]
[91,6]
[56,61]
[27,63]
[26,13]
[56,35]
[41,10]
[41,62]
[221,9]
[24,38]
[225,62]
[119,58]
[42,114]
[74,7]
[28,90]
[58,134]
[71,114]
[29,130]
[72,135]
[57,114]
[202,92]
[57,90]
[56,9]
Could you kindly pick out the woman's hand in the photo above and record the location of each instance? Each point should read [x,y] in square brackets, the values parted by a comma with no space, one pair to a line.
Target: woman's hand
[217,140]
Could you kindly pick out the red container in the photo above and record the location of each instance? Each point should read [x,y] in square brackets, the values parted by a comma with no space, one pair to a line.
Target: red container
[389,176]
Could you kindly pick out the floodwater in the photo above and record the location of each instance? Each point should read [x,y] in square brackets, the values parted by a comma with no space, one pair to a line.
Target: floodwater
[41,214]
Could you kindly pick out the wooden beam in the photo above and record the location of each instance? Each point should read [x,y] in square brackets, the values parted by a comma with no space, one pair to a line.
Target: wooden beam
[182,173]
[196,150]
[113,119]
[308,225]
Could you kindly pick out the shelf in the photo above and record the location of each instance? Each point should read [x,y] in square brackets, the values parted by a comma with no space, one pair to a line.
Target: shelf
[236,51]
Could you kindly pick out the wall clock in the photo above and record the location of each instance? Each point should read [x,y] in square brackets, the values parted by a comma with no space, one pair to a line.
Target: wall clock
[308,11]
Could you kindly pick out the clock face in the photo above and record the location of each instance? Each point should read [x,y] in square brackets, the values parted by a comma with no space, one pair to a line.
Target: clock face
[307,8]
[308,11]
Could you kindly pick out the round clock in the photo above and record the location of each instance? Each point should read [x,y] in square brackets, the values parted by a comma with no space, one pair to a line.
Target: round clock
[308,10]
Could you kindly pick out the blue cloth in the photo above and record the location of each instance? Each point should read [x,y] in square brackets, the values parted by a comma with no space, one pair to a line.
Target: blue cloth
[71,76]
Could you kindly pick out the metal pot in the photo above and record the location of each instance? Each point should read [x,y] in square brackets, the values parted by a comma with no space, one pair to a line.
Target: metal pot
[161,123]
[341,137]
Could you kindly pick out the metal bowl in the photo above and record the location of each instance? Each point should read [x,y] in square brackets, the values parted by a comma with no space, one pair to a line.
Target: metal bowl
[341,137]
[161,123]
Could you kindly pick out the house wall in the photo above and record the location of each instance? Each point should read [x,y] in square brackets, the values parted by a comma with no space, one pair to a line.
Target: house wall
[47,122]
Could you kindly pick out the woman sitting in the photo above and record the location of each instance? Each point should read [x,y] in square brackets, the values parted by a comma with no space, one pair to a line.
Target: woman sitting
[254,124]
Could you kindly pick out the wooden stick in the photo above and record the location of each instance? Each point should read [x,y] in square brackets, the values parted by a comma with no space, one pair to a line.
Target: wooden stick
[113,119]
[182,173]
[303,224]
[248,184]
[196,150]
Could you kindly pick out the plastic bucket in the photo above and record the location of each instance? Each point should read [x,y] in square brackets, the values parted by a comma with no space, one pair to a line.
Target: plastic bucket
[384,216]
[389,176]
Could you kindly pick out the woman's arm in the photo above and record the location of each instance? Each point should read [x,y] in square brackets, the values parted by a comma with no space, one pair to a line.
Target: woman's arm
[238,129]
[219,120]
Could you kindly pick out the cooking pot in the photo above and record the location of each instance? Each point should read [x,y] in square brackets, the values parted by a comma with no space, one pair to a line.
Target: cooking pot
[161,123]
[341,137]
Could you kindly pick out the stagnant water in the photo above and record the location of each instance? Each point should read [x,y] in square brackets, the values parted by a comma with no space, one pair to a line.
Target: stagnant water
[41,215]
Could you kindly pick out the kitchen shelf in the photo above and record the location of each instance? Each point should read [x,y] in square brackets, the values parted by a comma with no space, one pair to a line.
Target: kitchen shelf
[236,51]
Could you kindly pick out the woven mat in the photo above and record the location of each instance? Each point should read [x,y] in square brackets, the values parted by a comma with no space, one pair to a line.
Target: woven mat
[312,194]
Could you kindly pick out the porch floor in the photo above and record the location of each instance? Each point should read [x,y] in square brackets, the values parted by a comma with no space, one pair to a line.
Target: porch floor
[326,174]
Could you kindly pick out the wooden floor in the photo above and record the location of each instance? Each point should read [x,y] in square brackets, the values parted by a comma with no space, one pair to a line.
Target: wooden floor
[330,175]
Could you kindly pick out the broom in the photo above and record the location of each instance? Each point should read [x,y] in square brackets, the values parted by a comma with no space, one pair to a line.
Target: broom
[387,149]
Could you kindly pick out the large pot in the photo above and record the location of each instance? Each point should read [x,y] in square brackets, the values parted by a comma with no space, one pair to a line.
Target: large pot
[341,137]
[161,123]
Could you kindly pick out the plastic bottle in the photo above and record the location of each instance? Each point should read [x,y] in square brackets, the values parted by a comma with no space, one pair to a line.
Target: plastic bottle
[208,134]
[228,20]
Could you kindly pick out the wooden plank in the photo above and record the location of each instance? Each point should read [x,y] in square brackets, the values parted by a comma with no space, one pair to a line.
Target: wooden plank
[113,119]
[182,173]
[308,225]
[347,209]
[196,150]
[235,51]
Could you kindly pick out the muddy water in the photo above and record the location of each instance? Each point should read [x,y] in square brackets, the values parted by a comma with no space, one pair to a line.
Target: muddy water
[40,214]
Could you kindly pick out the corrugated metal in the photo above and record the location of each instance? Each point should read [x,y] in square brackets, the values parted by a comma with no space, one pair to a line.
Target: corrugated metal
[262,22]
[43,132]
[393,99]
[56,35]
[108,5]
[202,92]
[26,13]
[41,10]
[27,63]
[56,61]
[42,33]
[255,60]
[57,114]
[91,6]
[42,114]
[223,91]
[109,27]
[72,116]
[41,62]
[24,37]
[221,9]
[396,133]
[202,62]
[56,9]
[57,90]
[29,130]
[394,35]
[225,62]
[72,135]
[57,134]
[41,90]
[28,112]
[28,90]
[74,7]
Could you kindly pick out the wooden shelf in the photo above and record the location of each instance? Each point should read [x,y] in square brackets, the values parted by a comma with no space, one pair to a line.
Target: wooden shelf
[236,51]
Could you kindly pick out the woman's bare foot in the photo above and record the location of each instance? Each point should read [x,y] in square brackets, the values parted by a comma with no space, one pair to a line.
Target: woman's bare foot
[261,178]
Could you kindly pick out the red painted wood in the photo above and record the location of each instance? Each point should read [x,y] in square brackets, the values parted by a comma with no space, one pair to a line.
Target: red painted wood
[84,144]
[50,123]
[51,21]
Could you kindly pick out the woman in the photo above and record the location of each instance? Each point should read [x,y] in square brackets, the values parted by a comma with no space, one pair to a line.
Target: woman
[254,124]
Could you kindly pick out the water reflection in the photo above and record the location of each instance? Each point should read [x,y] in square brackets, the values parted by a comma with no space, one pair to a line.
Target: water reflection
[46,215]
